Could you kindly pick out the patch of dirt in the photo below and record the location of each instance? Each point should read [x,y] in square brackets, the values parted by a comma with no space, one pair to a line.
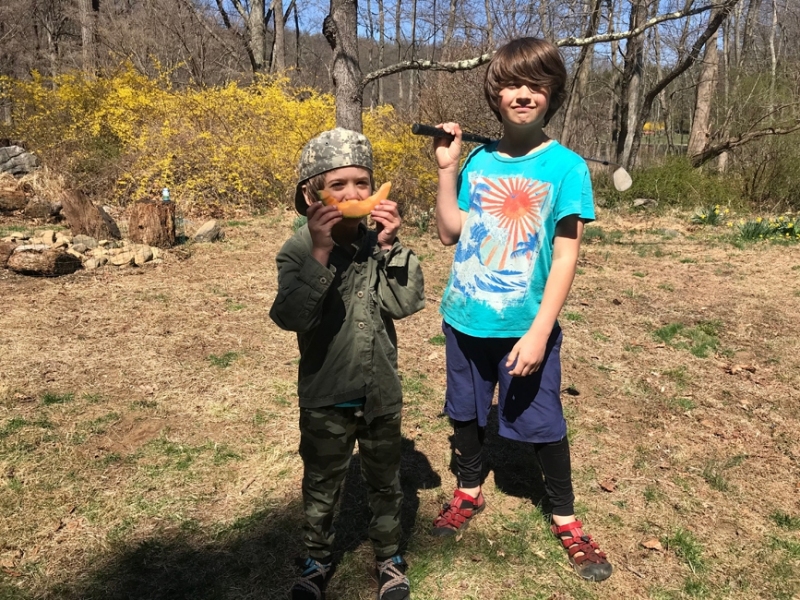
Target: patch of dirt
[173,415]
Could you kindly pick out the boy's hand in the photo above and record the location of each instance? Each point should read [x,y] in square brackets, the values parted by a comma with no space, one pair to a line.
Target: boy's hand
[321,220]
[447,152]
[528,353]
[388,222]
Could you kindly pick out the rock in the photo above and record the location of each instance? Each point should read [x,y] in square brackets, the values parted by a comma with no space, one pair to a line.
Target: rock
[646,202]
[142,256]
[61,243]
[122,259]
[77,255]
[32,248]
[12,200]
[86,240]
[16,237]
[91,264]
[81,248]
[39,209]
[209,232]
[48,263]
[17,161]
[48,237]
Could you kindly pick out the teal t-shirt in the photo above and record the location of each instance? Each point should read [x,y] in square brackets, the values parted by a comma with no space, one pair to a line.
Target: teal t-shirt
[503,257]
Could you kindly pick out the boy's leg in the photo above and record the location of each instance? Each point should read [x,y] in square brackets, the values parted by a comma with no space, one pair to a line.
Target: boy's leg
[379,444]
[327,437]
[471,380]
[530,411]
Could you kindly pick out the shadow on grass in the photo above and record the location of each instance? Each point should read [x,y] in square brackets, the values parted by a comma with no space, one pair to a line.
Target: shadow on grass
[514,464]
[253,558]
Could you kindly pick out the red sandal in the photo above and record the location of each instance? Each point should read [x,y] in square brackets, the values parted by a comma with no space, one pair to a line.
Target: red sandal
[590,563]
[456,514]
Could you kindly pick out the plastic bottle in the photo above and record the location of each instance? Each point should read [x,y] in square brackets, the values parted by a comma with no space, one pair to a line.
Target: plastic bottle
[165,194]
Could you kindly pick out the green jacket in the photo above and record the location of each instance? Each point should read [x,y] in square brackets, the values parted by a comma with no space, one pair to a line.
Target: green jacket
[343,315]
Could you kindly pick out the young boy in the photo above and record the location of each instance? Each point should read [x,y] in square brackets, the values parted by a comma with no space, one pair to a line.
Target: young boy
[339,287]
[516,211]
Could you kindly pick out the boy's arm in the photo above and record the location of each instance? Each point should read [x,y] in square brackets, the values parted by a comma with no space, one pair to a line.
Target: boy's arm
[401,289]
[400,286]
[529,350]
[449,217]
[303,284]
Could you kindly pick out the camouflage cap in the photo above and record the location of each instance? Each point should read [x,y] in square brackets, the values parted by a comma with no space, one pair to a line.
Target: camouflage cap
[330,150]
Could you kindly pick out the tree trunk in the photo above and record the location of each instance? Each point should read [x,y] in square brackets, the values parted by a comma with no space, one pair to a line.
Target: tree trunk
[257,36]
[84,218]
[279,44]
[152,222]
[88,10]
[700,134]
[580,80]
[381,47]
[46,263]
[631,85]
[340,29]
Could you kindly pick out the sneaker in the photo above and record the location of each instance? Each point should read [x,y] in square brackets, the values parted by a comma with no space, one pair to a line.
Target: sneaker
[584,553]
[456,514]
[313,579]
[392,580]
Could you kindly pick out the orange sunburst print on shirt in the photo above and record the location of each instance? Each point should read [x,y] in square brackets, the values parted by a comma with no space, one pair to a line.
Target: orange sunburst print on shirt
[516,204]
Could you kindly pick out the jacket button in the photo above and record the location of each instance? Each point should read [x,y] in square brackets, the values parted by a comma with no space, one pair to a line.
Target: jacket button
[323,281]
[360,294]
[361,325]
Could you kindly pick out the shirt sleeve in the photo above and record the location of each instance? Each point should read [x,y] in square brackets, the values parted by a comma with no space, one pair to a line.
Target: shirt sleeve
[462,185]
[401,288]
[303,284]
[575,196]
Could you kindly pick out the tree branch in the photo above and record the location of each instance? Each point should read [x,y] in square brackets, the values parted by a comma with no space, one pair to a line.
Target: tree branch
[713,151]
[473,63]
[224,14]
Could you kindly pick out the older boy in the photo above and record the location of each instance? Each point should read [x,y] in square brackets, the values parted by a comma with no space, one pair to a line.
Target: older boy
[340,285]
[516,210]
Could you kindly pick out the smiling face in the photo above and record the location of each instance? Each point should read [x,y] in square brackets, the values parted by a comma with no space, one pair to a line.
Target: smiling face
[522,106]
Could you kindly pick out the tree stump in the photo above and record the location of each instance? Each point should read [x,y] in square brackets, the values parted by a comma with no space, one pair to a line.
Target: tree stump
[6,248]
[84,218]
[46,263]
[152,222]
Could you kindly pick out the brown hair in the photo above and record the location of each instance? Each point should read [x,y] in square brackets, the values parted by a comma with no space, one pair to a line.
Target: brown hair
[528,61]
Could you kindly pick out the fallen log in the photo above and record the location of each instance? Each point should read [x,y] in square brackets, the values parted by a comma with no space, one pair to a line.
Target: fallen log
[45,263]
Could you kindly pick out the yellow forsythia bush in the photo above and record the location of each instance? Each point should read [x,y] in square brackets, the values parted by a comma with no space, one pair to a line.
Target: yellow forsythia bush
[125,136]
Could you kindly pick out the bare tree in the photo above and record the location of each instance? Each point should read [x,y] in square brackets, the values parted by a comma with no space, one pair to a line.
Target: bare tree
[700,134]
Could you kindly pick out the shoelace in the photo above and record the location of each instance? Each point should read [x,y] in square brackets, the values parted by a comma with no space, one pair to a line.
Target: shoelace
[390,567]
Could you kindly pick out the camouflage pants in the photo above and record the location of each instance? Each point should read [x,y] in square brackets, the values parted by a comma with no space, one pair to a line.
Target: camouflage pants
[327,439]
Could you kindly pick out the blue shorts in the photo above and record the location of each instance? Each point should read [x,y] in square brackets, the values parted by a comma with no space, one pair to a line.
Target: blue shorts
[529,408]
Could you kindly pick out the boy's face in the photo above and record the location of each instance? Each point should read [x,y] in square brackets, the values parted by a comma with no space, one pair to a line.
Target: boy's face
[347,183]
[523,106]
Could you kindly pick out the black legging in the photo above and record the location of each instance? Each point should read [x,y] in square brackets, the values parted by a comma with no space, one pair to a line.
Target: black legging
[553,459]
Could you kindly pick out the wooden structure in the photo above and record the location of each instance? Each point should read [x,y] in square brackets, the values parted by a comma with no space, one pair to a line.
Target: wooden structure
[152,222]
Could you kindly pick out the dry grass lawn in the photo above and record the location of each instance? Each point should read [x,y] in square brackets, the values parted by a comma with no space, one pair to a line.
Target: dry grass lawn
[148,436]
